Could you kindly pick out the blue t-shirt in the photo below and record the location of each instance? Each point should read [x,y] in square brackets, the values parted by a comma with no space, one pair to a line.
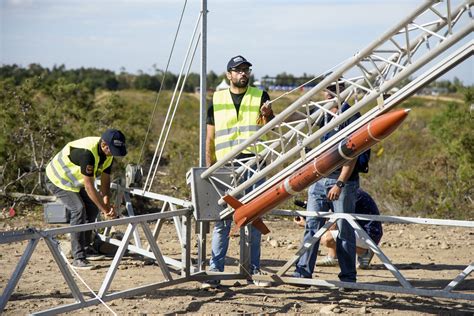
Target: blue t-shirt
[326,119]
[366,205]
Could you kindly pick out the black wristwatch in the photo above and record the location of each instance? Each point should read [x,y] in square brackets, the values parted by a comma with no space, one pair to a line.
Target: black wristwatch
[340,184]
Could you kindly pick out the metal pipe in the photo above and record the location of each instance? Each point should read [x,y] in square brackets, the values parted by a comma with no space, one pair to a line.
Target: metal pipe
[203,86]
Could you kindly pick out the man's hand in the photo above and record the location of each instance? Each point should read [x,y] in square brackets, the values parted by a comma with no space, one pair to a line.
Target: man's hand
[334,193]
[266,109]
[300,221]
[266,113]
[111,213]
[100,199]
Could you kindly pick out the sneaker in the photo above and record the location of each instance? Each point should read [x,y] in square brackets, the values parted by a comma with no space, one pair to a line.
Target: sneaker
[210,284]
[364,260]
[260,283]
[297,274]
[93,255]
[347,290]
[327,262]
[82,264]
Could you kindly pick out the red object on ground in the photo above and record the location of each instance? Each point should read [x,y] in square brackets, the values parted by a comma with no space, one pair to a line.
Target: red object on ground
[11,212]
[336,156]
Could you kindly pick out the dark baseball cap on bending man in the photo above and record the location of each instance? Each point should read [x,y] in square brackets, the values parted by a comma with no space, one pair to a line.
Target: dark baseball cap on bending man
[115,139]
[237,61]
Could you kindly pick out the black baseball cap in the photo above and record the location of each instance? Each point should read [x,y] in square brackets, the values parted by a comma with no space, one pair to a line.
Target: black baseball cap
[237,61]
[333,86]
[115,139]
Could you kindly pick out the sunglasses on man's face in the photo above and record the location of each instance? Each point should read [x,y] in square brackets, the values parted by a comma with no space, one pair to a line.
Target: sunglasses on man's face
[241,70]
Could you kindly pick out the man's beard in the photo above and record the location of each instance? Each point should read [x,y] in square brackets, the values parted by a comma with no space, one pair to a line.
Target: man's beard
[242,83]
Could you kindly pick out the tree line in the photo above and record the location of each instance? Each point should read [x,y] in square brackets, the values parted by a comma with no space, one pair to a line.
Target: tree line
[93,78]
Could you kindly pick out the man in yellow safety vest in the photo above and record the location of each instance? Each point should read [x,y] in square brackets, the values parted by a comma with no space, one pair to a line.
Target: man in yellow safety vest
[70,177]
[233,116]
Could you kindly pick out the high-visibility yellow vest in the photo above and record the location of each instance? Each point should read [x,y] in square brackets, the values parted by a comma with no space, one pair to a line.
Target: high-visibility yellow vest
[64,174]
[232,129]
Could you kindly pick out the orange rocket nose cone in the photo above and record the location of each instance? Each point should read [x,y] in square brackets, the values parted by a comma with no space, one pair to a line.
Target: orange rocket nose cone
[385,124]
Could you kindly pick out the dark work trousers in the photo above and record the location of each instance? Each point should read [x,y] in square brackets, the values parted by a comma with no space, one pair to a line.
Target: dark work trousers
[83,211]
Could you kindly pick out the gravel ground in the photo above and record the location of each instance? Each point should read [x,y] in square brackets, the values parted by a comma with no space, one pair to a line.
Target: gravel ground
[428,256]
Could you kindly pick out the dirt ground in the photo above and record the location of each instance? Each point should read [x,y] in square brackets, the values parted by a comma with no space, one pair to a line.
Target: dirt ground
[428,256]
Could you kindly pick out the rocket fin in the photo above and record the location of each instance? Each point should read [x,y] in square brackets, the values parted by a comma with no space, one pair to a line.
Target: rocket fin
[232,201]
[237,226]
[258,224]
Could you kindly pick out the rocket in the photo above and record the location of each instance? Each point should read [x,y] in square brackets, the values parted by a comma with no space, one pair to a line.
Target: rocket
[333,158]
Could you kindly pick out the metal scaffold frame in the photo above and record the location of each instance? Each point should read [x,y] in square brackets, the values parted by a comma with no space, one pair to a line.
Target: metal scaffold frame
[410,47]
[178,210]
[404,287]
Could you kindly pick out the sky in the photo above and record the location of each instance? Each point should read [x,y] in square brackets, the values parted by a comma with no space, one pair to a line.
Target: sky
[293,36]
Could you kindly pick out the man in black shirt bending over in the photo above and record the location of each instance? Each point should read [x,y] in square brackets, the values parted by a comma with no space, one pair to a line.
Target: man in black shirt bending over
[71,175]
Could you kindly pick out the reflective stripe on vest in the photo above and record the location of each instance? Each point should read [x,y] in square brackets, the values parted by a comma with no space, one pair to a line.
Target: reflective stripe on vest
[232,129]
[64,174]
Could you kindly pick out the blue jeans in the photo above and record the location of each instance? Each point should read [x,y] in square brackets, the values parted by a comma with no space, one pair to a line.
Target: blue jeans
[220,240]
[346,245]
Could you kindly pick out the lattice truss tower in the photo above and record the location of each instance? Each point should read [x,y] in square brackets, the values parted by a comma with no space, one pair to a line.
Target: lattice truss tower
[422,38]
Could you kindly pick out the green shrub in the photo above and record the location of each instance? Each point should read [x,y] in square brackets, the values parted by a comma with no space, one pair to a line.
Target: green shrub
[426,166]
